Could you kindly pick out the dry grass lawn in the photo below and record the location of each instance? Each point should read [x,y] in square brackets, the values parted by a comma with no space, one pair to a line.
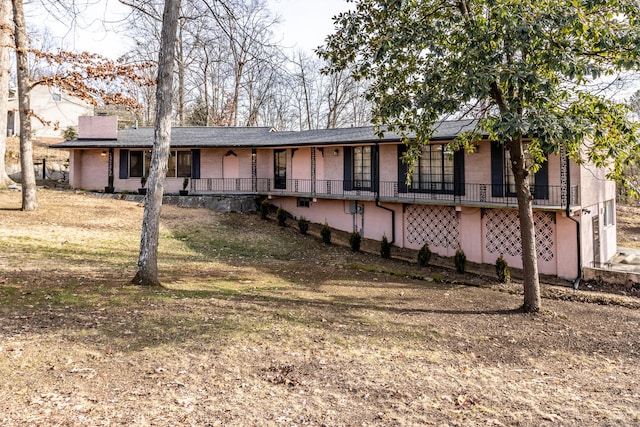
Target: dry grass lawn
[260,326]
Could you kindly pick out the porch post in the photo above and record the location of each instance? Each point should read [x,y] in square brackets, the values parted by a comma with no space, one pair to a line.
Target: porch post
[313,170]
[254,170]
[109,188]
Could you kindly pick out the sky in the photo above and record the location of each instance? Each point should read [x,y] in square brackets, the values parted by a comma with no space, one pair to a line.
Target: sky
[304,25]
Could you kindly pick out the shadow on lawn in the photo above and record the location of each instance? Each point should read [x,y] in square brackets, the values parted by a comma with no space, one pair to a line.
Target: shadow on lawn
[109,314]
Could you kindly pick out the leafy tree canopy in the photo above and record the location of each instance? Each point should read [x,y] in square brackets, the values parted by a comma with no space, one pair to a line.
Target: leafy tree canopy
[525,67]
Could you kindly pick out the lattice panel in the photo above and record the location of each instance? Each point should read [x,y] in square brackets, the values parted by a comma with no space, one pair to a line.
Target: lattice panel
[436,225]
[503,233]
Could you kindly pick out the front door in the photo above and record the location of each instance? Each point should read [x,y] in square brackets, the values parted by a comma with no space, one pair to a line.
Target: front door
[280,169]
[595,221]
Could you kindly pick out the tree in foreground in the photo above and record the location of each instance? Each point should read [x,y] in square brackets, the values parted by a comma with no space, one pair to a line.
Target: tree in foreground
[147,273]
[91,77]
[5,66]
[29,197]
[525,68]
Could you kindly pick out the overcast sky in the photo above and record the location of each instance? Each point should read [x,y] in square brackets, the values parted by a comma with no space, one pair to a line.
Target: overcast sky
[304,25]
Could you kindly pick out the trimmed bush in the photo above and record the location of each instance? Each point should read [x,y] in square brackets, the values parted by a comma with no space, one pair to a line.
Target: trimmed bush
[385,248]
[502,270]
[281,215]
[460,260]
[424,255]
[325,233]
[303,225]
[354,241]
[264,209]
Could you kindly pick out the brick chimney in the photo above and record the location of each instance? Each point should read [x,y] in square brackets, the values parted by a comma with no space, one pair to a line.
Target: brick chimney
[98,127]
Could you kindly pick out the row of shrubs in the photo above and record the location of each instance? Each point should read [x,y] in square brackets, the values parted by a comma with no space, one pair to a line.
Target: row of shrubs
[355,239]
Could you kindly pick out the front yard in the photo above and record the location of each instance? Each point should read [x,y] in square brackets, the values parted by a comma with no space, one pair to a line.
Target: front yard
[259,325]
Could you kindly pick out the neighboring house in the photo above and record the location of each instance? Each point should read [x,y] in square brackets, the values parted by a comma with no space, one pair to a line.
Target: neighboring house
[353,180]
[51,105]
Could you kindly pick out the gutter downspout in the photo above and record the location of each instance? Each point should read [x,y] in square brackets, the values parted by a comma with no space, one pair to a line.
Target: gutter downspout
[576,283]
[393,213]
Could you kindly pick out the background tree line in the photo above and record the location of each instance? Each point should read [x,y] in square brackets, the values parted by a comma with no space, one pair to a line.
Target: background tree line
[230,70]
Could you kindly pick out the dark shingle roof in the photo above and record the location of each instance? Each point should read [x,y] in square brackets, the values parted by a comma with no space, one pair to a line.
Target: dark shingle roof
[230,137]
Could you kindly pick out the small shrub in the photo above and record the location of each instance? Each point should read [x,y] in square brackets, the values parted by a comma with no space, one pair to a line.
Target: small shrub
[325,233]
[502,270]
[264,209]
[354,241]
[385,248]
[281,215]
[460,260]
[71,132]
[424,255]
[303,225]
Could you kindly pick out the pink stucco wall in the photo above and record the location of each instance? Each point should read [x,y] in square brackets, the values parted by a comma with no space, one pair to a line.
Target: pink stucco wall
[102,127]
[301,163]
[473,173]
[211,162]
[594,186]
[608,236]
[566,238]
[264,163]
[333,165]
[338,214]
[231,166]
[93,174]
[388,162]
[472,239]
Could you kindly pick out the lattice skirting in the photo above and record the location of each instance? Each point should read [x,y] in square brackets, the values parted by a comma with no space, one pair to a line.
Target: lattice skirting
[436,225]
[503,233]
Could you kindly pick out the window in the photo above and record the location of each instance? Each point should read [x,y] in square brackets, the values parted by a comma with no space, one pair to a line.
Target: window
[139,163]
[609,213]
[503,180]
[362,168]
[304,202]
[280,169]
[434,171]
[136,163]
[509,178]
[56,94]
[179,164]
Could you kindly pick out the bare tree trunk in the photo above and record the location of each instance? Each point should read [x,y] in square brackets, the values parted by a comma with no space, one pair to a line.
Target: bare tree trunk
[29,199]
[5,63]
[236,93]
[181,72]
[147,273]
[303,81]
[527,228]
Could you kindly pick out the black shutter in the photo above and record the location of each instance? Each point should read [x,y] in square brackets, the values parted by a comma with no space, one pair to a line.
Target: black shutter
[375,170]
[195,164]
[497,170]
[542,182]
[458,172]
[347,183]
[124,164]
[402,169]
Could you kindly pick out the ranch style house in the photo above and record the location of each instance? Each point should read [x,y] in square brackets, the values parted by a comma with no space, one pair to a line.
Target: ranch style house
[355,181]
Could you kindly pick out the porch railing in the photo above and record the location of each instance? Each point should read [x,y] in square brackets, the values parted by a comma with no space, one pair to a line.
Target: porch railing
[449,194]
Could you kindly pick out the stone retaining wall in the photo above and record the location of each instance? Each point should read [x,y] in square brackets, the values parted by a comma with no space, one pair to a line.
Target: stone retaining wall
[227,203]
[613,277]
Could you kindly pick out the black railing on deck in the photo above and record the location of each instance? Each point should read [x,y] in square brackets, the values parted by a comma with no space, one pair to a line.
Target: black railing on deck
[448,193]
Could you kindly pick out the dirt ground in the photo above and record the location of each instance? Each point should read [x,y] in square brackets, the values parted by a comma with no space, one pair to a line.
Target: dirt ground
[257,325]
